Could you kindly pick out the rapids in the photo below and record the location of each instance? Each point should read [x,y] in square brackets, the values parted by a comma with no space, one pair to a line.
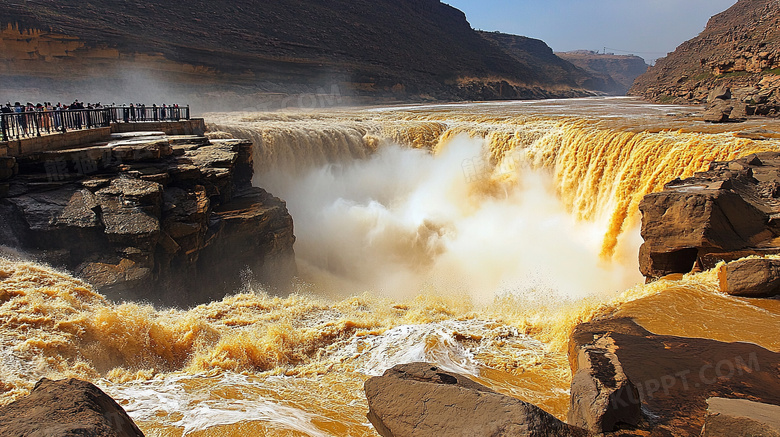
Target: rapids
[475,236]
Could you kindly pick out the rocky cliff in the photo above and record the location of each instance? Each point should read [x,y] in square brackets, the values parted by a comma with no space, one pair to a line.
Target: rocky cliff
[726,213]
[171,220]
[617,72]
[739,49]
[393,49]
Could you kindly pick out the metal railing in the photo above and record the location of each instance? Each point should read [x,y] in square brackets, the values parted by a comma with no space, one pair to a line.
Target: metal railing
[127,114]
[18,125]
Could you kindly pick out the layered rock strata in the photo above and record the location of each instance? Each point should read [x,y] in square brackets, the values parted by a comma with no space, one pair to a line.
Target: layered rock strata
[172,220]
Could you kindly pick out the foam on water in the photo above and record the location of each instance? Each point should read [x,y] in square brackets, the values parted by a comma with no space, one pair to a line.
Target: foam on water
[199,409]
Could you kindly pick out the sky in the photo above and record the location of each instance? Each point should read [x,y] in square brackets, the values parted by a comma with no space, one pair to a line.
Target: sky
[646,28]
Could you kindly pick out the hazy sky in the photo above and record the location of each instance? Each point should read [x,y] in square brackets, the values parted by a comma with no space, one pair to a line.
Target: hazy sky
[647,28]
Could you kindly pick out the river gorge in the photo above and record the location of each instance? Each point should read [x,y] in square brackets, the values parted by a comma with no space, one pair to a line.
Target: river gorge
[475,236]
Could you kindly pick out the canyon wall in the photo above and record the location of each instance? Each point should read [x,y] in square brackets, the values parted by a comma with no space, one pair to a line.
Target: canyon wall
[390,50]
[739,50]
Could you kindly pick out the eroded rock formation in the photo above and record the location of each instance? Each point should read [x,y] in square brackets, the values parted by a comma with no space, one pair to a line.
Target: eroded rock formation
[726,213]
[66,408]
[603,399]
[168,219]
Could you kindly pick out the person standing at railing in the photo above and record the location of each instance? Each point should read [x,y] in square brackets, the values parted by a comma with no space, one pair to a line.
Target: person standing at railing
[88,115]
[79,120]
[20,120]
[47,121]
[57,116]
[5,121]
[29,115]
[154,111]
[143,111]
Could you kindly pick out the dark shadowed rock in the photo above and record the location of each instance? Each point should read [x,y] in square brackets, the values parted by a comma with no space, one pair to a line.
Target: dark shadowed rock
[676,375]
[67,408]
[740,418]
[751,278]
[419,399]
[602,396]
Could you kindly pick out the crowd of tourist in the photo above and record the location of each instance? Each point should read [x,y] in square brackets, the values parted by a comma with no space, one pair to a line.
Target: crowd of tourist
[22,120]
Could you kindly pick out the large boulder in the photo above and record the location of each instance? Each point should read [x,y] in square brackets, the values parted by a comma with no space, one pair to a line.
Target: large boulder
[729,212]
[420,399]
[676,375]
[67,408]
[751,278]
[718,112]
[740,418]
[603,398]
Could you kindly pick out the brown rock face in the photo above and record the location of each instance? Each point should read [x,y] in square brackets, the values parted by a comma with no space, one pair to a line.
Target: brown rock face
[740,418]
[66,408]
[718,112]
[751,278]
[723,214]
[418,399]
[602,397]
[739,49]
[676,375]
[171,220]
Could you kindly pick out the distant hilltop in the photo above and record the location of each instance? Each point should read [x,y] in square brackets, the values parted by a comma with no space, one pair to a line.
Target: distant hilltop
[619,71]
[393,49]
[536,56]
[736,56]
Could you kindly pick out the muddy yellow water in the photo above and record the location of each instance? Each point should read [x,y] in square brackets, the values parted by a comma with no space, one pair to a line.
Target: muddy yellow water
[471,236]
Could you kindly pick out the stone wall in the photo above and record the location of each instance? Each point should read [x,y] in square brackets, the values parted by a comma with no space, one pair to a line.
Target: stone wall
[60,141]
[45,143]
[195,126]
